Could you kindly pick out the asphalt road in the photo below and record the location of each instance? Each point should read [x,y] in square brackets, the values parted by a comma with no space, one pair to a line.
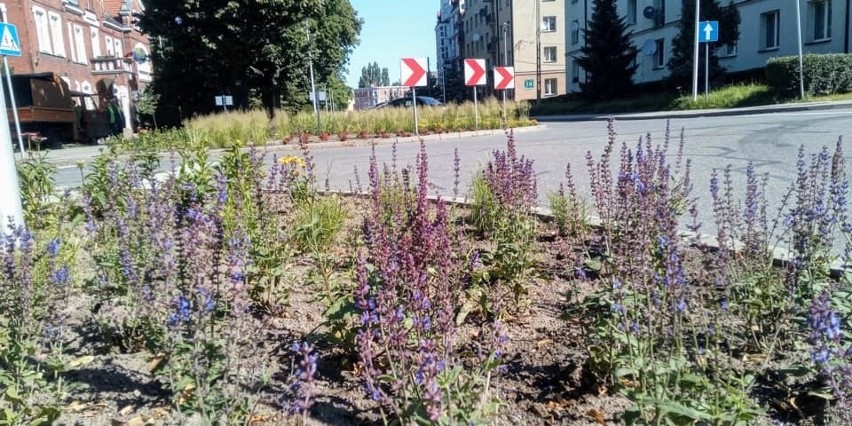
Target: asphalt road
[771,141]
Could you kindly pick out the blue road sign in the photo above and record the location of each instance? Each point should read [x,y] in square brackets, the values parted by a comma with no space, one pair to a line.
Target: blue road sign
[9,44]
[708,31]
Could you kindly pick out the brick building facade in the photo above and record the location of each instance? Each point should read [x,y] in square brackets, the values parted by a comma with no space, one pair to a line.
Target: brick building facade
[94,45]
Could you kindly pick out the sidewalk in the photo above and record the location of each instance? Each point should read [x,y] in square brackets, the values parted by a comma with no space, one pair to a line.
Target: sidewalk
[719,112]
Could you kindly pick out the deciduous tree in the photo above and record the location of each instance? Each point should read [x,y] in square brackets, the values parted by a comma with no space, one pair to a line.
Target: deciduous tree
[246,48]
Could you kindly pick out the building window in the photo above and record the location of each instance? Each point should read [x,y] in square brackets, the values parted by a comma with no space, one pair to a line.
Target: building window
[820,21]
[110,47]
[549,87]
[659,53]
[56,33]
[550,54]
[575,71]
[631,11]
[42,29]
[95,41]
[769,29]
[731,49]
[80,44]
[575,32]
[119,47]
[548,24]
[659,13]
[71,40]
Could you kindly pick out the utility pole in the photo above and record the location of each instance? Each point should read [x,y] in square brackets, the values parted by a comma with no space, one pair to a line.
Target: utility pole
[537,51]
[313,84]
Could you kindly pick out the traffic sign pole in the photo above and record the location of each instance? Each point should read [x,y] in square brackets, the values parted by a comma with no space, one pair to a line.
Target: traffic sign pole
[475,109]
[10,193]
[412,73]
[414,103]
[474,75]
[11,207]
[706,70]
[14,105]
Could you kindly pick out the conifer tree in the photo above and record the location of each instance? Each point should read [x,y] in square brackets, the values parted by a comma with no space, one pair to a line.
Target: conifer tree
[608,55]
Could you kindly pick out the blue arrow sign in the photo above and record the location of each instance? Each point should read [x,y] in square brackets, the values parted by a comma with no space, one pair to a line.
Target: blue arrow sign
[9,44]
[708,31]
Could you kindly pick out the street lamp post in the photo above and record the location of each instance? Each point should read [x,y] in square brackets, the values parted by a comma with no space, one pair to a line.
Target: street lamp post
[801,62]
[313,83]
[695,53]
[505,62]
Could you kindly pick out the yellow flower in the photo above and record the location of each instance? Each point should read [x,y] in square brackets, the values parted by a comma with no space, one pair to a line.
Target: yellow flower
[292,160]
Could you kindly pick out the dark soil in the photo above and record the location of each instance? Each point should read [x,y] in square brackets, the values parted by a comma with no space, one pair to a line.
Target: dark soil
[546,381]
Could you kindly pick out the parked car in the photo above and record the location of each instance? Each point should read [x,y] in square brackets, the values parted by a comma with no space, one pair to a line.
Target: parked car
[406,102]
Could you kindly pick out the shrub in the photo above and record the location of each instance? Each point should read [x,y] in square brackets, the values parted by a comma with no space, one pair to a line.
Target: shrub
[824,74]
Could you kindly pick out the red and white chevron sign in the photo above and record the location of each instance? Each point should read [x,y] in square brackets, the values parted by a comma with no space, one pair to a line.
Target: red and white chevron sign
[474,72]
[412,72]
[504,78]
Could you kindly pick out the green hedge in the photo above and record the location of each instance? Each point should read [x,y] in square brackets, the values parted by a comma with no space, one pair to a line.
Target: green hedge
[824,74]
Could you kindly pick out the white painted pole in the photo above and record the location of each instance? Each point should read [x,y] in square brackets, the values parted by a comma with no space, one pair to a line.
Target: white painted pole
[475,109]
[505,64]
[313,83]
[801,61]
[10,192]
[706,70]
[695,56]
[414,104]
[14,106]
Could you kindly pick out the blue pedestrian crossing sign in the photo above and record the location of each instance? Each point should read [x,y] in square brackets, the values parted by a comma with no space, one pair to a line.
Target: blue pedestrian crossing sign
[708,31]
[9,44]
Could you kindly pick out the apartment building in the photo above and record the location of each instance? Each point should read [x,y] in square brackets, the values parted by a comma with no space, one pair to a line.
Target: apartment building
[526,34]
[95,46]
[767,29]
[446,40]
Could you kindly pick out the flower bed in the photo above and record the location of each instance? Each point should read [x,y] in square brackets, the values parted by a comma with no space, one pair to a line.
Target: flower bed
[239,294]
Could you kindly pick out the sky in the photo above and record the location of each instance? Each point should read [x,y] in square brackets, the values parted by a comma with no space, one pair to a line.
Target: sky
[393,29]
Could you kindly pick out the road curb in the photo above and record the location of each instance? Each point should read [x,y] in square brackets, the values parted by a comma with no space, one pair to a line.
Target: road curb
[274,145]
[769,109]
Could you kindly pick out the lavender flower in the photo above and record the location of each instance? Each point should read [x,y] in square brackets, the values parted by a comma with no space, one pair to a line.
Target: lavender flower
[181,313]
[302,385]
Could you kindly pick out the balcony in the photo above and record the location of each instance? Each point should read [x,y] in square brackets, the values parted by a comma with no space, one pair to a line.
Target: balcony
[111,65]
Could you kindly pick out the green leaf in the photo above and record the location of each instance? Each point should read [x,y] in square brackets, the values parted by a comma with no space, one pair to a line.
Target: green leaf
[12,394]
[83,360]
[675,407]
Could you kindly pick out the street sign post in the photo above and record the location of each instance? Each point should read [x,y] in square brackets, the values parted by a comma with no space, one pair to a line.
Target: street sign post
[10,191]
[11,207]
[9,43]
[412,72]
[10,46]
[504,79]
[709,33]
[224,101]
[474,75]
